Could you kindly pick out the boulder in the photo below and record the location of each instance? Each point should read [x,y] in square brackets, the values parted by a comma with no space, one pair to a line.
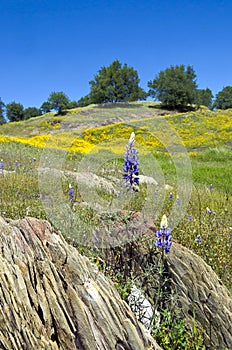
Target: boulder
[201,296]
[52,297]
[204,302]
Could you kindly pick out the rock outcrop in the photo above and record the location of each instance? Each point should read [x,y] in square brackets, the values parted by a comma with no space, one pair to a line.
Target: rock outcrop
[201,293]
[51,297]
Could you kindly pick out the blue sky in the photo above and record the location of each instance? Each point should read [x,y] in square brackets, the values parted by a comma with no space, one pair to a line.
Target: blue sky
[59,45]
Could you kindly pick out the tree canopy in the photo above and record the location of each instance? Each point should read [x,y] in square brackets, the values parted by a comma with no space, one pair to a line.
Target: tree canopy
[2,105]
[31,112]
[223,98]
[204,97]
[115,83]
[58,101]
[14,111]
[46,107]
[175,87]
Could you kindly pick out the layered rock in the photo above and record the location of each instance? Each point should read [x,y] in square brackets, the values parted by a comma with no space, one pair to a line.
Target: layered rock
[204,302]
[202,296]
[51,297]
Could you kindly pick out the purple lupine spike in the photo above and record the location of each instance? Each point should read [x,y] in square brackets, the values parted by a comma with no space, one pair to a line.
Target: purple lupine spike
[198,239]
[1,164]
[164,238]
[71,194]
[131,165]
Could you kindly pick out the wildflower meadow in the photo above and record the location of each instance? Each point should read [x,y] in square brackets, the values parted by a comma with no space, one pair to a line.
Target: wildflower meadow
[91,169]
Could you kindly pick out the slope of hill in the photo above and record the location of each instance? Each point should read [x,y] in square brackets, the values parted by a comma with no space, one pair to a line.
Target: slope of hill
[197,130]
[69,170]
[171,146]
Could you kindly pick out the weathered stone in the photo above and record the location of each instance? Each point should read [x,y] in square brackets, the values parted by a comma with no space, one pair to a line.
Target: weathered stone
[200,291]
[200,294]
[51,297]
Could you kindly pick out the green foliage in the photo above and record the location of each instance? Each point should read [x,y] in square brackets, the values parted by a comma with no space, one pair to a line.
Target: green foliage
[204,97]
[223,98]
[46,107]
[14,111]
[172,333]
[175,87]
[116,83]
[84,101]
[31,112]
[2,105]
[72,104]
[58,101]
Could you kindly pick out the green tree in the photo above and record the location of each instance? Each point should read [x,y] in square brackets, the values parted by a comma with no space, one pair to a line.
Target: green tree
[223,98]
[116,83]
[31,112]
[2,107]
[58,101]
[72,104]
[204,97]
[175,87]
[14,111]
[84,101]
[46,107]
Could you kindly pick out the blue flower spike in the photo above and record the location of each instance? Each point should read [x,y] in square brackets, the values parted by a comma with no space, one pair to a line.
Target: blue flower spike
[198,239]
[164,239]
[209,211]
[131,165]
[71,194]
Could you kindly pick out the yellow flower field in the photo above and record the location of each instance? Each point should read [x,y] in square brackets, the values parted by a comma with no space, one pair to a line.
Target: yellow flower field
[194,130]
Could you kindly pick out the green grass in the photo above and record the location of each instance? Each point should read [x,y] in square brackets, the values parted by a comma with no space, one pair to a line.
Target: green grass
[21,192]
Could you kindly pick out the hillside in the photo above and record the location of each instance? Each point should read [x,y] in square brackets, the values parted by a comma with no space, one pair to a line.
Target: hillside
[69,170]
[198,130]
[205,136]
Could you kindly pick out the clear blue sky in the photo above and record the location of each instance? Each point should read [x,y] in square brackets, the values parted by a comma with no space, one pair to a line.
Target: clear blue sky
[59,45]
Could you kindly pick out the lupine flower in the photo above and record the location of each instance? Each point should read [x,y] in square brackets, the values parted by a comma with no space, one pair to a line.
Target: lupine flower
[71,194]
[210,186]
[34,160]
[170,195]
[156,194]
[209,211]
[178,201]
[190,217]
[1,165]
[131,164]
[16,163]
[164,239]
[198,239]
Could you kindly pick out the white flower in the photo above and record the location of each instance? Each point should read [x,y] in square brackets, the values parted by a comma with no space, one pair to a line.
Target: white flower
[164,222]
[131,141]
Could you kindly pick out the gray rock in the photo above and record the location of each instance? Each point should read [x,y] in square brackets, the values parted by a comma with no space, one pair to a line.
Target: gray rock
[51,297]
[200,291]
[197,290]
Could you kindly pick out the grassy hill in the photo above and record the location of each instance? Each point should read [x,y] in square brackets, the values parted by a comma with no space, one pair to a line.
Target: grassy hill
[172,146]
[205,135]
